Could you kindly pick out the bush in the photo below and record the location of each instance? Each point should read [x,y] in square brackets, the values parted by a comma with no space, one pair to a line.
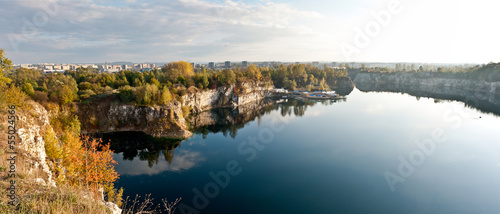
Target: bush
[86,94]
[85,86]
[166,97]
[40,96]
[28,89]
[127,94]
[186,110]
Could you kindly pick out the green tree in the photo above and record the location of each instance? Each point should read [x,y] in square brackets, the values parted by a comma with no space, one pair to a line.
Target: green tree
[290,84]
[204,81]
[166,96]
[5,66]
[127,94]
[28,89]
[230,77]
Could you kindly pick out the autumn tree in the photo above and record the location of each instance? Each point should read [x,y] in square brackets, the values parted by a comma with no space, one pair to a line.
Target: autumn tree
[174,70]
[5,66]
[166,96]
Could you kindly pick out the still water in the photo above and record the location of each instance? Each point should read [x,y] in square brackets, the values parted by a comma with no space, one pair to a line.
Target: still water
[373,153]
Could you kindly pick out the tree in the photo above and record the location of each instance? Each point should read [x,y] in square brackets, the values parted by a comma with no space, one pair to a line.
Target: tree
[421,69]
[204,81]
[127,94]
[166,97]
[176,69]
[230,77]
[290,84]
[5,65]
[28,89]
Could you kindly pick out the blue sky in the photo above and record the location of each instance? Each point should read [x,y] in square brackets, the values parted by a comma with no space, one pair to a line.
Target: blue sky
[65,31]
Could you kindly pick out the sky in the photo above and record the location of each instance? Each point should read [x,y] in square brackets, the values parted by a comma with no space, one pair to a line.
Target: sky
[94,31]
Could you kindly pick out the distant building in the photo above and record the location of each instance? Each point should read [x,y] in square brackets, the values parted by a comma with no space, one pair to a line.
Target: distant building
[211,65]
[315,64]
[244,64]
[227,64]
[126,67]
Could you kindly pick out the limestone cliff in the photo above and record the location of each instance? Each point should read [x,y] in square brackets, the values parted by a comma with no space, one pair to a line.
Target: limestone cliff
[32,122]
[226,96]
[481,94]
[227,116]
[110,115]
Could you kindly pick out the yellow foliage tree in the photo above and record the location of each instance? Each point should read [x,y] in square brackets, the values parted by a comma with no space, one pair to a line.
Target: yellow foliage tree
[176,69]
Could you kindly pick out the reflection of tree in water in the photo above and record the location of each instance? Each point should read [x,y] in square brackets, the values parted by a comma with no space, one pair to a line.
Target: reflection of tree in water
[138,144]
[229,120]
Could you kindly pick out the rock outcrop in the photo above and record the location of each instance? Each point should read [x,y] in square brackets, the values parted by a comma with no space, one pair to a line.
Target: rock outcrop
[229,116]
[110,115]
[31,127]
[480,94]
[226,96]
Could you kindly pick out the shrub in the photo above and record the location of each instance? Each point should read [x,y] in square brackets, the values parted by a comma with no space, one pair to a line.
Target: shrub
[166,97]
[40,96]
[85,86]
[86,94]
[127,94]
[28,89]
[186,110]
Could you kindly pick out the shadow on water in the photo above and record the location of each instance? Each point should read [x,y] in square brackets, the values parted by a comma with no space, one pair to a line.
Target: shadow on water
[141,145]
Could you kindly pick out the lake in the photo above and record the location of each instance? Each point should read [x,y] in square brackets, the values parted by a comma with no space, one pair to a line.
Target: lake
[373,153]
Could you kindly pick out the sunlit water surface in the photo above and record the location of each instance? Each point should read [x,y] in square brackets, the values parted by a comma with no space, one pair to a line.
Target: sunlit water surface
[358,156]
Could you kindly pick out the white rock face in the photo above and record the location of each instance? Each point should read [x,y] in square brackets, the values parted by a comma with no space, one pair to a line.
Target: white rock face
[113,208]
[426,85]
[226,96]
[31,126]
[157,121]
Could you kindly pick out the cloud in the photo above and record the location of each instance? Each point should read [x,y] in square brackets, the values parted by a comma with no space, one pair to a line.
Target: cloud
[182,161]
[151,30]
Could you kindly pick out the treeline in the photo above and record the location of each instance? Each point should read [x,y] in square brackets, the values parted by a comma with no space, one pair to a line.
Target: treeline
[305,76]
[160,86]
[487,72]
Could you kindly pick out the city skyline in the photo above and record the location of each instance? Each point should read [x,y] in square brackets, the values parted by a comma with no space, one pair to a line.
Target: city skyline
[62,31]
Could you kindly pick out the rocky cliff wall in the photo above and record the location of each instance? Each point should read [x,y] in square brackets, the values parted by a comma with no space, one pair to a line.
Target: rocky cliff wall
[109,115]
[32,123]
[481,94]
[226,96]
[231,115]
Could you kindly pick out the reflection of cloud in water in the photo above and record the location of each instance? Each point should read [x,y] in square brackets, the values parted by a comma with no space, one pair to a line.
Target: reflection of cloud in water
[183,160]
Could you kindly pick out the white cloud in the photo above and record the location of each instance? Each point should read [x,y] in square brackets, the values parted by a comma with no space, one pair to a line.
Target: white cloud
[154,31]
[218,30]
[184,160]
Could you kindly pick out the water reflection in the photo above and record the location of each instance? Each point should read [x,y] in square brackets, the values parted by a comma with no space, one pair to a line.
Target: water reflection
[143,146]
[484,101]
[229,120]
[183,160]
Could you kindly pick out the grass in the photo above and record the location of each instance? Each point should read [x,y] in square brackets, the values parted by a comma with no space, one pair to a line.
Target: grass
[38,198]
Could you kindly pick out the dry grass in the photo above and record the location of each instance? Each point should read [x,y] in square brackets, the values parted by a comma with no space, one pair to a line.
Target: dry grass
[36,198]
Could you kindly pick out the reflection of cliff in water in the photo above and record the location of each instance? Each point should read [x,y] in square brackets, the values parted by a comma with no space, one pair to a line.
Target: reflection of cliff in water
[225,120]
[483,101]
[230,120]
[143,146]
